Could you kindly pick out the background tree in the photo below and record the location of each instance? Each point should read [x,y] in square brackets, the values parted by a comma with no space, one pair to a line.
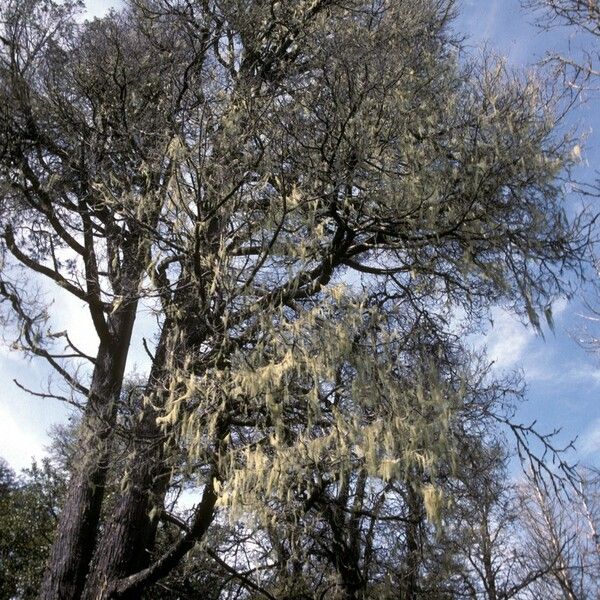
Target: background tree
[580,67]
[582,16]
[562,534]
[29,506]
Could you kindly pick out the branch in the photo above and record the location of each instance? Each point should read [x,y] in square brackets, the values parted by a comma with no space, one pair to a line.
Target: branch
[48,395]
[46,208]
[241,576]
[79,352]
[538,464]
[91,275]
[97,307]
[29,333]
[11,244]
[145,344]
[168,517]
[203,517]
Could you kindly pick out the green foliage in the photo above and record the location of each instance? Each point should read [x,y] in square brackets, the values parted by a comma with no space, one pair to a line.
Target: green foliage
[29,506]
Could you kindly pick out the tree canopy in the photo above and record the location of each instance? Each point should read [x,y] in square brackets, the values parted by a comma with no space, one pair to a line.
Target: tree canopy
[317,199]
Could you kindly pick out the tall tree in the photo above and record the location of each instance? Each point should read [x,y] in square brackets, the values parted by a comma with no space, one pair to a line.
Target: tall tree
[88,116]
[225,158]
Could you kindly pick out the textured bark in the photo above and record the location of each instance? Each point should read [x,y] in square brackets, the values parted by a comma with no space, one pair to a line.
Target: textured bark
[127,543]
[77,528]
[134,585]
[130,534]
[345,532]
[488,566]
[413,546]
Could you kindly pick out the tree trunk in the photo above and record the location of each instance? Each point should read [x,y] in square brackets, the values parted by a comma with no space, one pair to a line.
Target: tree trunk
[345,550]
[126,546]
[134,585]
[78,524]
[413,556]
[130,533]
[127,543]
[488,566]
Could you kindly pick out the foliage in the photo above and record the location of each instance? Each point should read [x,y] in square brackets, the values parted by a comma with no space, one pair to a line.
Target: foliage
[29,507]
[307,225]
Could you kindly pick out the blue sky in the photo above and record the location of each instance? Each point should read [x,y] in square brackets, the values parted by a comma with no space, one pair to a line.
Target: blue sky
[563,380]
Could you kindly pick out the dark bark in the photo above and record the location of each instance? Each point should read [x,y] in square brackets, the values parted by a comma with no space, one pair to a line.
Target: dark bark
[346,538]
[487,548]
[134,585]
[77,528]
[127,543]
[413,546]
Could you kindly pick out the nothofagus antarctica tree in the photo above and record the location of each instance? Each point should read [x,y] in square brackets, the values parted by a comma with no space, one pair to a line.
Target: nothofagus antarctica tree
[306,193]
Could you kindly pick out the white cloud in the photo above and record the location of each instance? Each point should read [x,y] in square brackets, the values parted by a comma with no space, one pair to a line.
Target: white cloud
[508,340]
[589,442]
[512,344]
[583,372]
[19,443]
[559,307]
[98,8]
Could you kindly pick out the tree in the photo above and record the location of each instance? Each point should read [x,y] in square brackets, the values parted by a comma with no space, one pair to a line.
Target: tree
[494,556]
[562,533]
[584,17]
[224,160]
[84,142]
[28,512]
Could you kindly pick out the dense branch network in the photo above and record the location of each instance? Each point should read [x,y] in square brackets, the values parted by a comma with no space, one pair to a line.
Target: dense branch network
[306,224]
